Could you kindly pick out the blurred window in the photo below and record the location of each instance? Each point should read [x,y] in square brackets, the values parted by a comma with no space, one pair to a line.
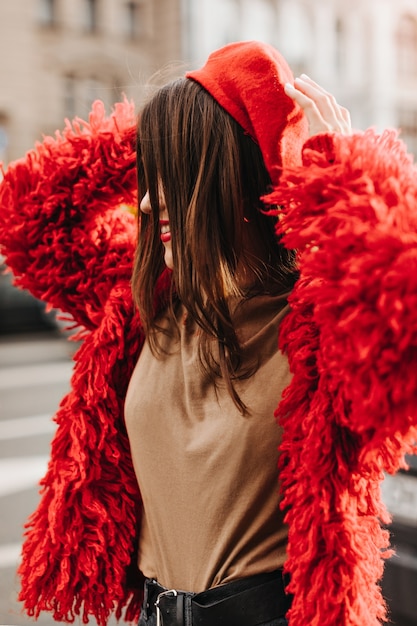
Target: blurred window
[79,93]
[90,15]
[407,122]
[406,42]
[70,84]
[47,12]
[93,90]
[106,88]
[134,26]
[340,46]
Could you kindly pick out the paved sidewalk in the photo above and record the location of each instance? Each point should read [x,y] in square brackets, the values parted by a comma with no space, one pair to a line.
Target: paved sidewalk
[36,348]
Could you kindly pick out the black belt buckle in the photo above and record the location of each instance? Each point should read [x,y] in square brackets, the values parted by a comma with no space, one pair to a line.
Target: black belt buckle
[254,600]
[165,595]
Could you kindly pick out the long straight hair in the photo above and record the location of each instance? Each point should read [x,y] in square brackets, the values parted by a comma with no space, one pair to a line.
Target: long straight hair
[212,176]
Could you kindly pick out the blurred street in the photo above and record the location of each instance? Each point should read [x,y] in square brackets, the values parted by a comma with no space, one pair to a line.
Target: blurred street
[34,375]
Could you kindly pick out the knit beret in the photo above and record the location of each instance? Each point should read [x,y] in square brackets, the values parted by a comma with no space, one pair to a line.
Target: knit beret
[247,79]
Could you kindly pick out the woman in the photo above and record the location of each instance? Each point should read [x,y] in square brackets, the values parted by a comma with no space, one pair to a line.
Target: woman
[184,489]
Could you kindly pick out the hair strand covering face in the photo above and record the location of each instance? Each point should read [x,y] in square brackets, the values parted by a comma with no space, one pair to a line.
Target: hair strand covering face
[215,141]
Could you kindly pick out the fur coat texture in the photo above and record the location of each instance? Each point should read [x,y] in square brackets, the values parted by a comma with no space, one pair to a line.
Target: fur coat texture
[349,414]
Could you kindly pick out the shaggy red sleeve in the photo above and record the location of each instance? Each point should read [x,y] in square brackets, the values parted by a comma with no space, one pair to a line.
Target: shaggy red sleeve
[64,228]
[81,542]
[81,539]
[354,223]
[351,339]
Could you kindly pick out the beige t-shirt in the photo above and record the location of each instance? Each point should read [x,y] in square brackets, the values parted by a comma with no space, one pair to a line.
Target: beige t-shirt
[207,474]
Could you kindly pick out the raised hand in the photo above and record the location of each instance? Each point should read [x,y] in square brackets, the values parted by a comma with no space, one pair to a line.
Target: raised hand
[323,113]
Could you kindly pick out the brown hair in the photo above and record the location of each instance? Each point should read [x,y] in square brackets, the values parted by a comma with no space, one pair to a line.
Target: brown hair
[213,176]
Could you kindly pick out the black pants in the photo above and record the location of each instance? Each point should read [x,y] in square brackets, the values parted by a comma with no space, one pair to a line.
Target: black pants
[255,601]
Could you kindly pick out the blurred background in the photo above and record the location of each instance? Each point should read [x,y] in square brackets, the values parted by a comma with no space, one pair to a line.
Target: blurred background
[57,57]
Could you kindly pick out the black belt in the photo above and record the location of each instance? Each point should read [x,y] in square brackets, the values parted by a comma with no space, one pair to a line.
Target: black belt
[245,602]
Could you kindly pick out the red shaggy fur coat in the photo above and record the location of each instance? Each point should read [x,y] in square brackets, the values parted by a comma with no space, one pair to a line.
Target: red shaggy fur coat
[351,339]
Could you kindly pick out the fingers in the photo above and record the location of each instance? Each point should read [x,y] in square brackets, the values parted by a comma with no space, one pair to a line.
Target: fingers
[323,112]
[327,104]
[306,98]
[324,101]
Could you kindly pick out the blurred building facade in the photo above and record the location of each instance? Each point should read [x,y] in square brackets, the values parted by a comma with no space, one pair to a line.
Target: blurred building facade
[363,51]
[60,55]
[57,56]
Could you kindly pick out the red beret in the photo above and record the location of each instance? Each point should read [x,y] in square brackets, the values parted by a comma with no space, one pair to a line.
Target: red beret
[247,79]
